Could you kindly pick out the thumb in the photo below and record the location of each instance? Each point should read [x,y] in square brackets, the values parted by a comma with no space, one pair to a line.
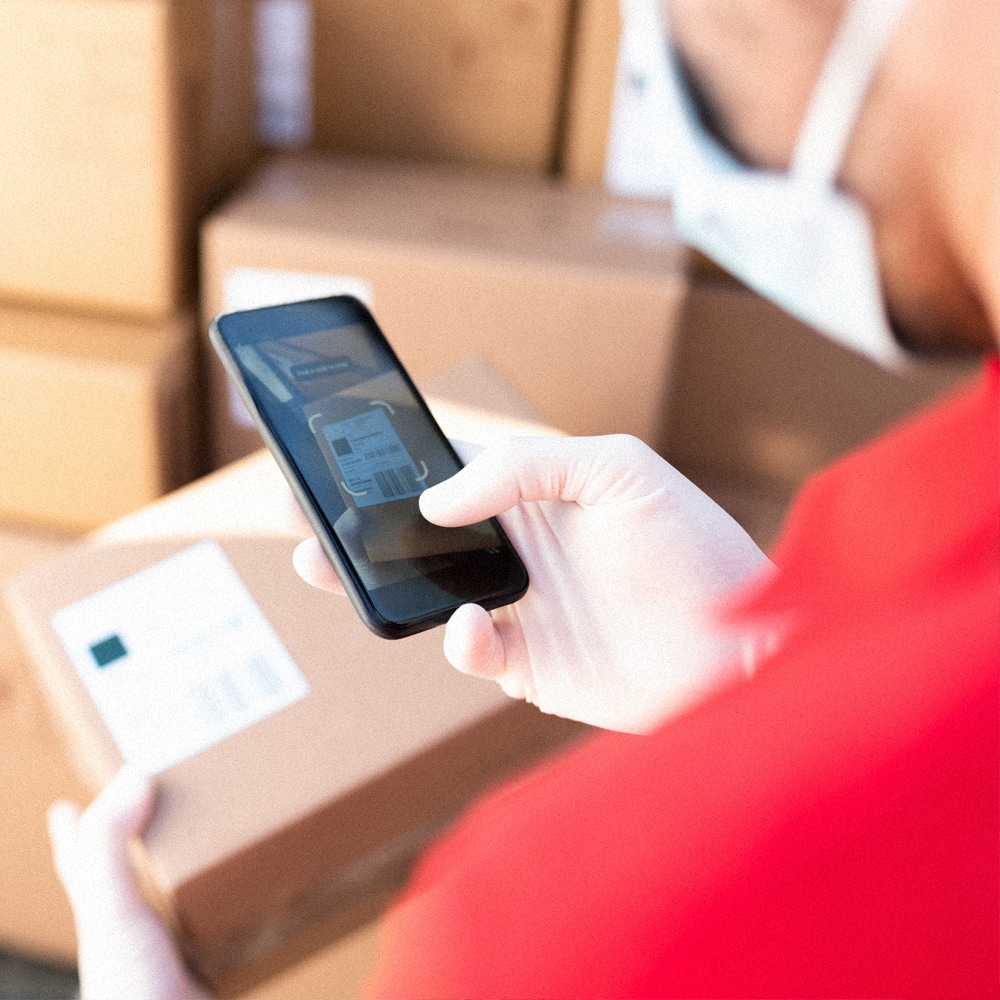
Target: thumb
[125,952]
[472,643]
[583,470]
[91,850]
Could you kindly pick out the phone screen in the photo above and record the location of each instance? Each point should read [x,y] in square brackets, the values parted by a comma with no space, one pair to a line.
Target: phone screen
[363,445]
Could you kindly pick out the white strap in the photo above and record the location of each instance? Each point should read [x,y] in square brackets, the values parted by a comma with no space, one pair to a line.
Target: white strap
[844,80]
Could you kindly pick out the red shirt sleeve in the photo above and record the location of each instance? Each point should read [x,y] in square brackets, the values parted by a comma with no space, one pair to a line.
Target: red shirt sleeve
[828,829]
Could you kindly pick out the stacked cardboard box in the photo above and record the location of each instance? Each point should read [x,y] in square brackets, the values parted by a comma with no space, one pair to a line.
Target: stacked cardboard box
[476,82]
[123,121]
[761,402]
[98,415]
[571,294]
[591,74]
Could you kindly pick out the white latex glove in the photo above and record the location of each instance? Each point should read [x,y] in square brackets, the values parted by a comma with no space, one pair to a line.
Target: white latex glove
[125,952]
[626,559]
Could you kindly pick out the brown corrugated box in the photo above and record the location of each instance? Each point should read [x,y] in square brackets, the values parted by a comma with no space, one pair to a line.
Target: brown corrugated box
[761,400]
[571,294]
[592,65]
[122,121]
[477,82]
[34,913]
[35,918]
[338,972]
[97,415]
[300,828]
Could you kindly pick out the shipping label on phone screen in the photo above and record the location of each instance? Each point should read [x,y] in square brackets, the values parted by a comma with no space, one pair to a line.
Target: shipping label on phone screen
[374,464]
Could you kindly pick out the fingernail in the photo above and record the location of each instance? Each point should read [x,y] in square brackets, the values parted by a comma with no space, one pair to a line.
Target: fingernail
[430,499]
[301,555]
[132,783]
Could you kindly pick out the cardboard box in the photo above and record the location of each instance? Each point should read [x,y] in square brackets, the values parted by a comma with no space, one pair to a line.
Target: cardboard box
[592,67]
[35,918]
[571,294]
[97,415]
[764,401]
[476,82]
[299,829]
[123,121]
[475,383]
[337,972]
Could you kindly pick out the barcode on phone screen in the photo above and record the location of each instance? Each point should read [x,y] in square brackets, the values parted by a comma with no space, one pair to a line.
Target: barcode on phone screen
[398,482]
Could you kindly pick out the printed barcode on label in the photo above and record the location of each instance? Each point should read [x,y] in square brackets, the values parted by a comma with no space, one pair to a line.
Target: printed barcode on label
[178,657]
[398,482]
[373,462]
[394,449]
[235,691]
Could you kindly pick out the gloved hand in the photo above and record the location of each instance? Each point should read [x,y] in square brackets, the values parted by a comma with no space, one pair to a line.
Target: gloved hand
[125,952]
[626,559]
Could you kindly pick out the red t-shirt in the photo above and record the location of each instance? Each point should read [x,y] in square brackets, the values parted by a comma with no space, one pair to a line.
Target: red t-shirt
[829,828]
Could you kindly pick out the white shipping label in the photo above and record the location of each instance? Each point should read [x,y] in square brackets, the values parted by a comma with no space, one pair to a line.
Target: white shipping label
[374,463]
[178,657]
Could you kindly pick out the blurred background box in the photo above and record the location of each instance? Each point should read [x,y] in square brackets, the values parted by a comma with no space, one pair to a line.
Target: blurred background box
[477,82]
[761,402]
[122,121]
[35,918]
[571,294]
[592,66]
[472,82]
[98,415]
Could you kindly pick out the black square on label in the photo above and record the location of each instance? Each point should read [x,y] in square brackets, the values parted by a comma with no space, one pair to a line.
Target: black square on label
[108,650]
[341,446]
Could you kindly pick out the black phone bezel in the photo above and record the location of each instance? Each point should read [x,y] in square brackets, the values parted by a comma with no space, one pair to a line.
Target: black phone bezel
[354,587]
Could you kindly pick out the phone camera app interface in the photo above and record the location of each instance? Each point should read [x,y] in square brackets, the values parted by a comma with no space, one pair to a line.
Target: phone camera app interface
[366,449]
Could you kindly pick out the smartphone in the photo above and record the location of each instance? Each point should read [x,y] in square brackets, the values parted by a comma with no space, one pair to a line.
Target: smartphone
[358,446]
